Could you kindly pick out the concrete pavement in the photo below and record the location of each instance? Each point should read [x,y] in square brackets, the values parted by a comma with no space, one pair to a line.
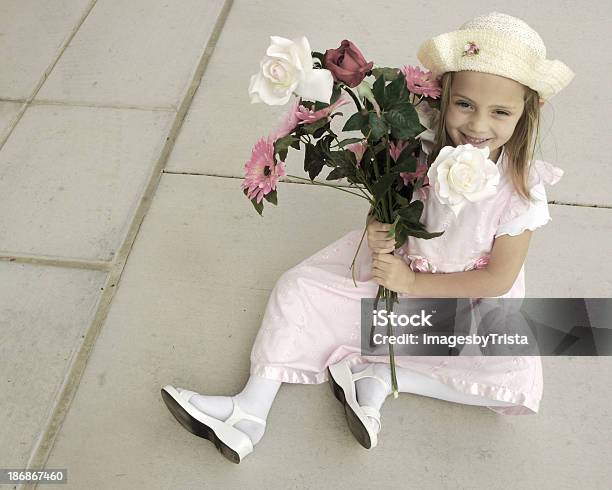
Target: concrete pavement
[130,259]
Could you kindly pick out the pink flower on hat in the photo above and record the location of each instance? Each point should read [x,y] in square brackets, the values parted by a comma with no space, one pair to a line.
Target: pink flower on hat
[470,49]
[421,82]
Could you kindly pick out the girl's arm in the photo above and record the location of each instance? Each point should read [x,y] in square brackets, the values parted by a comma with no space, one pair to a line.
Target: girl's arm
[507,257]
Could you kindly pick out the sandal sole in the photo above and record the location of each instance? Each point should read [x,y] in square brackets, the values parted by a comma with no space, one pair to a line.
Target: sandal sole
[356,426]
[197,427]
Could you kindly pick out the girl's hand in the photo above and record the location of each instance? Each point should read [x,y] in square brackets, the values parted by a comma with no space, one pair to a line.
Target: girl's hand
[392,272]
[378,239]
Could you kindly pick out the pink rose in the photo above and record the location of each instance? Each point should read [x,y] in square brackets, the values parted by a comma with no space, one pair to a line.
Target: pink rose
[419,265]
[347,64]
[481,262]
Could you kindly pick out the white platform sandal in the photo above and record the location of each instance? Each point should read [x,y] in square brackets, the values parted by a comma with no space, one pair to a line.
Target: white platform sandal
[342,382]
[234,444]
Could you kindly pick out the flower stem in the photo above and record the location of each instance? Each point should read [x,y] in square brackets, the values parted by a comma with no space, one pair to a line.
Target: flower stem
[328,185]
[353,96]
[390,296]
[390,299]
[352,267]
[361,189]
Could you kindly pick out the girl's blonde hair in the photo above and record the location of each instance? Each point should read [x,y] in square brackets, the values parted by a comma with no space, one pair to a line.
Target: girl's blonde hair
[519,149]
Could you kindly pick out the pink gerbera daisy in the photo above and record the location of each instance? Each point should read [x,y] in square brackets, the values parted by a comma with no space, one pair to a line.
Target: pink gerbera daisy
[358,149]
[289,122]
[308,116]
[421,82]
[261,172]
[414,176]
[396,150]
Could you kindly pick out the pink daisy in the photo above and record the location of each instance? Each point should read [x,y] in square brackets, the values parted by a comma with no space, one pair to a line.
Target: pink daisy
[358,149]
[410,177]
[308,116]
[289,122]
[396,150]
[421,82]
[261,172]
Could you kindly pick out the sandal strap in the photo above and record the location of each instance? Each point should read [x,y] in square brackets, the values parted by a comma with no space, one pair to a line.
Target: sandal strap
[239,414]
[372,412]
[185,395]
[369,373]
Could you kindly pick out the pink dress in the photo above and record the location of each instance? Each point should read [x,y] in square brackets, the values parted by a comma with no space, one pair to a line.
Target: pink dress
[312,318]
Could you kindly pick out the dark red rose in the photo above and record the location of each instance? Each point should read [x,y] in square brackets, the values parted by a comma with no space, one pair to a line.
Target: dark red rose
[347,64]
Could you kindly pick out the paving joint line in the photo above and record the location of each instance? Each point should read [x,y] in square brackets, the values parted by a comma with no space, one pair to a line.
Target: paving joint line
[69,103]
[46,73]
[68,262]
[201,174]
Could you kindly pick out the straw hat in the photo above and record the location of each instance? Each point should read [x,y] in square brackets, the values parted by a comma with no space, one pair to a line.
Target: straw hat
[499,44]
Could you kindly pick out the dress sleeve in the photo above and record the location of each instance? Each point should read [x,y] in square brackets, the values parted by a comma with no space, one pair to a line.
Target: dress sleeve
[522,215]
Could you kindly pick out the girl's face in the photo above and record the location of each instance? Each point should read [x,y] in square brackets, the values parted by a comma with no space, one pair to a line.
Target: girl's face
[485,107]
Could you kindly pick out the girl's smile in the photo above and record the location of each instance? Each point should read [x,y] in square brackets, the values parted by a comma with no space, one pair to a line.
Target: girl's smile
[477,142]
[483,110]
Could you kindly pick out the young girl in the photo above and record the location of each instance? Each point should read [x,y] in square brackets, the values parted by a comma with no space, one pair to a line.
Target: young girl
[494,77]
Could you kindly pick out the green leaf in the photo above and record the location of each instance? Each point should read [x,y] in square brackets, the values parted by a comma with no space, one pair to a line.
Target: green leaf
[417,230]
[393,226]
[389,73]
[423,234]
[356,122]
[419,183]
[378,89]
[258,206]
[406,164]
[379,128]
[404,121]
[336,174]
[313,161]
[397,92]
[271,197]
[336,91]
[349,141]
[382,186]
[311,128]
[295,144]
[285,142]
[411,214]
[344,163]
[323,147]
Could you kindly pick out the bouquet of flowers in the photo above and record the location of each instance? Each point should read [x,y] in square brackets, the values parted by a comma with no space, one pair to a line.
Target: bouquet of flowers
[394,114]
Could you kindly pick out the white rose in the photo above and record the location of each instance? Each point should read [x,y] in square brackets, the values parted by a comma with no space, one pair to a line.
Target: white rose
[463,174]
[287,68]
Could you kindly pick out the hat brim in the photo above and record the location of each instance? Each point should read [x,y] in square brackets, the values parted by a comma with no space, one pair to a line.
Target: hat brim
[499,54]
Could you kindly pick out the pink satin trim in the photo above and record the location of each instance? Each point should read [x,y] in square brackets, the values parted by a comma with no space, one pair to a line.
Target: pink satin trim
[526,405]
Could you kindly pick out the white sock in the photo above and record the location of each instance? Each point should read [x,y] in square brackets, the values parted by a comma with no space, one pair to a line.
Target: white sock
[256,398]
[370,391]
